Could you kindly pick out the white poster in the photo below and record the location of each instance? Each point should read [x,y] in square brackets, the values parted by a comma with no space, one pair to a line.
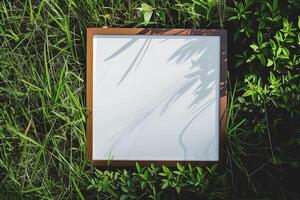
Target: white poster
[155,98]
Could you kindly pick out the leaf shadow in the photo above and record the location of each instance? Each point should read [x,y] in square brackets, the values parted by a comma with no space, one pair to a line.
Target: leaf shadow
[199,80]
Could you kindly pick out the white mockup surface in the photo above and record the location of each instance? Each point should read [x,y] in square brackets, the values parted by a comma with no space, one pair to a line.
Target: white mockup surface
[156,97]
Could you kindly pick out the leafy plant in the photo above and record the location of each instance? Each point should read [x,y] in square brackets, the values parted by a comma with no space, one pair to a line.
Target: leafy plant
[152,182]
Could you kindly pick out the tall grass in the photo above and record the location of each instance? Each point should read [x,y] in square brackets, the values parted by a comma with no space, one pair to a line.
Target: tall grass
[42,108]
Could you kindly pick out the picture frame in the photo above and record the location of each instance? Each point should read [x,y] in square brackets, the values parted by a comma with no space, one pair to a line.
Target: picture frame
[222,100]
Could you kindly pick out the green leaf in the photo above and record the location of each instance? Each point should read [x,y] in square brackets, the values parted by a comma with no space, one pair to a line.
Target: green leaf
[177,172]
[259,38]
[143,184]
[124,189]
[123,197]
[77,189]
[153,190]
[286,52]
[247,93]
[178,189]
[138,168]
[147,16]
[143,176]
[24,136]
[279,36]
[254,47]
[111,191]
[32,86]
[180,167]
[283,57]
[261,25]
[272,78]
[232,18]
[147,12]
[251,58]
[166,170]
[275,5]
[165,185]
[278,52]
[162,174]
[146,7]
[262,59]
[200,170]
[162,15]
[269,63]
[263,45]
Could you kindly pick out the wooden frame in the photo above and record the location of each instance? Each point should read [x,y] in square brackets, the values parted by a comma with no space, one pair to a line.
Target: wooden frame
[151,31]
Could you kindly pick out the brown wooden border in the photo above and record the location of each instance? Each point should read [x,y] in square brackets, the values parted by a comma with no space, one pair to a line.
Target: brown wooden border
[155,31]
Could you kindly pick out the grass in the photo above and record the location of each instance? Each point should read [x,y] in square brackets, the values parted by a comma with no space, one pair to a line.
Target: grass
[42,107]
[42,87]
[42,110]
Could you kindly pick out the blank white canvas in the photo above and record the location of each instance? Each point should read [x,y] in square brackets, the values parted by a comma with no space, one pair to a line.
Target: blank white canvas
[156,97]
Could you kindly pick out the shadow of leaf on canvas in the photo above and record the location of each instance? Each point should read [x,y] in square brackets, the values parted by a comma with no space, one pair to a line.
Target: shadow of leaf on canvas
[137,59]
[199,80]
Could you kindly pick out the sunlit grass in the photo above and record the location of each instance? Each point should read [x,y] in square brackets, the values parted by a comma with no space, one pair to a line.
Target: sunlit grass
[42,87]
[42,107]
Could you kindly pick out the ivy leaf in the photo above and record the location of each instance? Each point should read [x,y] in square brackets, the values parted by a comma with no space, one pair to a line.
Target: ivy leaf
[147,12]
[147,16]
